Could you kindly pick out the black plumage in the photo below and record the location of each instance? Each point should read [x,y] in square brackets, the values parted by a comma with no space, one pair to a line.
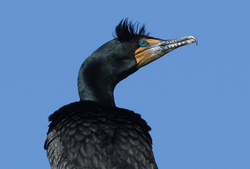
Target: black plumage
[94,133]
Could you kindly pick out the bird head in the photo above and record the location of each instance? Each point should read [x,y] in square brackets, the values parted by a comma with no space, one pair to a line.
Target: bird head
[136,46]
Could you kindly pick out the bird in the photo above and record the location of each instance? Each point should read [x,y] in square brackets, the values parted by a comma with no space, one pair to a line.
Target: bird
[93,133]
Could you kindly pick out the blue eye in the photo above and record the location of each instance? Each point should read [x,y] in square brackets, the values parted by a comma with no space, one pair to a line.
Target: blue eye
[143,43]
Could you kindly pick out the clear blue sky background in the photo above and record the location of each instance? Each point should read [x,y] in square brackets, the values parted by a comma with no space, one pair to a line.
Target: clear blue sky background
[196,98]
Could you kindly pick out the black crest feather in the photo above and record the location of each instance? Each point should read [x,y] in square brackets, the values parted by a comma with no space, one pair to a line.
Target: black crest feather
[127,30]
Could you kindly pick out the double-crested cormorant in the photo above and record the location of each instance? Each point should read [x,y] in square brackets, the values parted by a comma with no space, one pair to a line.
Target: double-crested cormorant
[95,134]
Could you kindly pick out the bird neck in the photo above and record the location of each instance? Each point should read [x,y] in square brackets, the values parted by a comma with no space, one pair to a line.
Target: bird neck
[94,85]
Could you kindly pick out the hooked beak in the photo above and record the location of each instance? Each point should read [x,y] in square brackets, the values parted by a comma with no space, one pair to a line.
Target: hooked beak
[159,48]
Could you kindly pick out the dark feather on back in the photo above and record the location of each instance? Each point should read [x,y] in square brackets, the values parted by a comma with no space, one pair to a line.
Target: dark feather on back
[85,135]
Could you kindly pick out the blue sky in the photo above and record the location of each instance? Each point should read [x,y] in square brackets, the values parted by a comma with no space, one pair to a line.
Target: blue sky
[196,98]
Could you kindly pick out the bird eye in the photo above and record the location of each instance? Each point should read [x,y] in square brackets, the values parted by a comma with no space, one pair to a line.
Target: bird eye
[143,43]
